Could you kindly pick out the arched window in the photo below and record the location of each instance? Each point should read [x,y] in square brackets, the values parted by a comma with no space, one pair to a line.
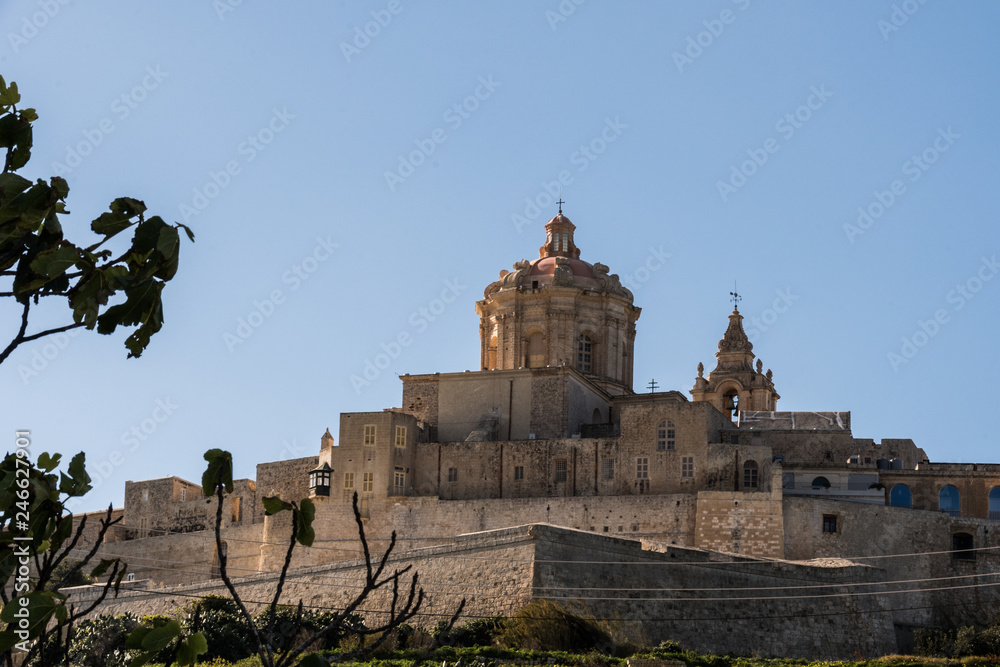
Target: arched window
[995,503]
[750,475]
[949,500]
[962,545]
[665,435]
[821,483]
[584,353]
[900,496]
[597,418]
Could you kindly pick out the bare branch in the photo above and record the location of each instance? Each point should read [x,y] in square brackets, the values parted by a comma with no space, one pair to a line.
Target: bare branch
[19,338]
[49,332]
[224,575]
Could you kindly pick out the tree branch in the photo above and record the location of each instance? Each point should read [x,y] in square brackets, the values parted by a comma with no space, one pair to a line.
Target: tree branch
[224,575]
[49,332]
[18,339]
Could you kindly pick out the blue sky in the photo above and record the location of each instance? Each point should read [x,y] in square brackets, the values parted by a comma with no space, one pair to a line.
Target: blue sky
[355,172]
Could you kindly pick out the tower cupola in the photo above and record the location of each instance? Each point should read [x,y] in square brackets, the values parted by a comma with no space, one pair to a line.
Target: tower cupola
[559,310]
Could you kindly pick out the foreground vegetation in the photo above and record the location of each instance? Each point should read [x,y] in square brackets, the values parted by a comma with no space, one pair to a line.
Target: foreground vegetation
[542,633]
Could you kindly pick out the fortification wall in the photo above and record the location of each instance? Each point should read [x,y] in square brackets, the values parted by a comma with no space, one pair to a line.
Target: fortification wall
[668,519]
[689,596]
[878,534]
[681,594]
[493,572]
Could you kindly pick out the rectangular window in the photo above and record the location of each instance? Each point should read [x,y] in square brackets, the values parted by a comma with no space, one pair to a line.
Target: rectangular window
[607,469]
[368,482]
[687,466]
[145,494]
[829,523]
[518,473]
[237,510]
[560,470]
[401,436]
[183,493]
[370,435]
[348,480]
[642,468]
[143,527]
[399,481]
[452,474]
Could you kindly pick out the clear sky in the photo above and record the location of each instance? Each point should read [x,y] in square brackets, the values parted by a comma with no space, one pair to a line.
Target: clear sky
[359,171]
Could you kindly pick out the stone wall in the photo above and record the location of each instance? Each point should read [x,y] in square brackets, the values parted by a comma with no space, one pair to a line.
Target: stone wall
[742,523]
[711,603]
[706,601]
[288,479]
[912,546]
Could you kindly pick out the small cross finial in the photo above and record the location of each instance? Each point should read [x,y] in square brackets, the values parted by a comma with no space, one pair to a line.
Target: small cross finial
[560,202]
[652,386]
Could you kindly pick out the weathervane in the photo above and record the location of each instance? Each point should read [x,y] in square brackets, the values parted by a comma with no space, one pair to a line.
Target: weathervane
[736,298]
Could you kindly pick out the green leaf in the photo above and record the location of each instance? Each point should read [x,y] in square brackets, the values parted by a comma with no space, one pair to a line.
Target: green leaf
[147,235]
[187,230]
[159,637]
[220,471]
[12,185]
[135,638]
[305,533]
[119,217]
[142,306]
[41,605]
[102,567]
[274,504]
[48,463]
[56,261]
[190,648]
[7,640]
[77,482]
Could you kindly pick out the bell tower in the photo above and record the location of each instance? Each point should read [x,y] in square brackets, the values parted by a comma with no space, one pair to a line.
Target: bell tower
[559,310]
[736,384]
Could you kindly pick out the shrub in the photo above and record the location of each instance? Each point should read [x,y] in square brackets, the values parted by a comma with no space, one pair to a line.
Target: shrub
[477,632]
[544,625]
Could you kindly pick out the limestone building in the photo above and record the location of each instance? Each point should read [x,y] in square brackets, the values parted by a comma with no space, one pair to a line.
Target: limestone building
[551,431]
